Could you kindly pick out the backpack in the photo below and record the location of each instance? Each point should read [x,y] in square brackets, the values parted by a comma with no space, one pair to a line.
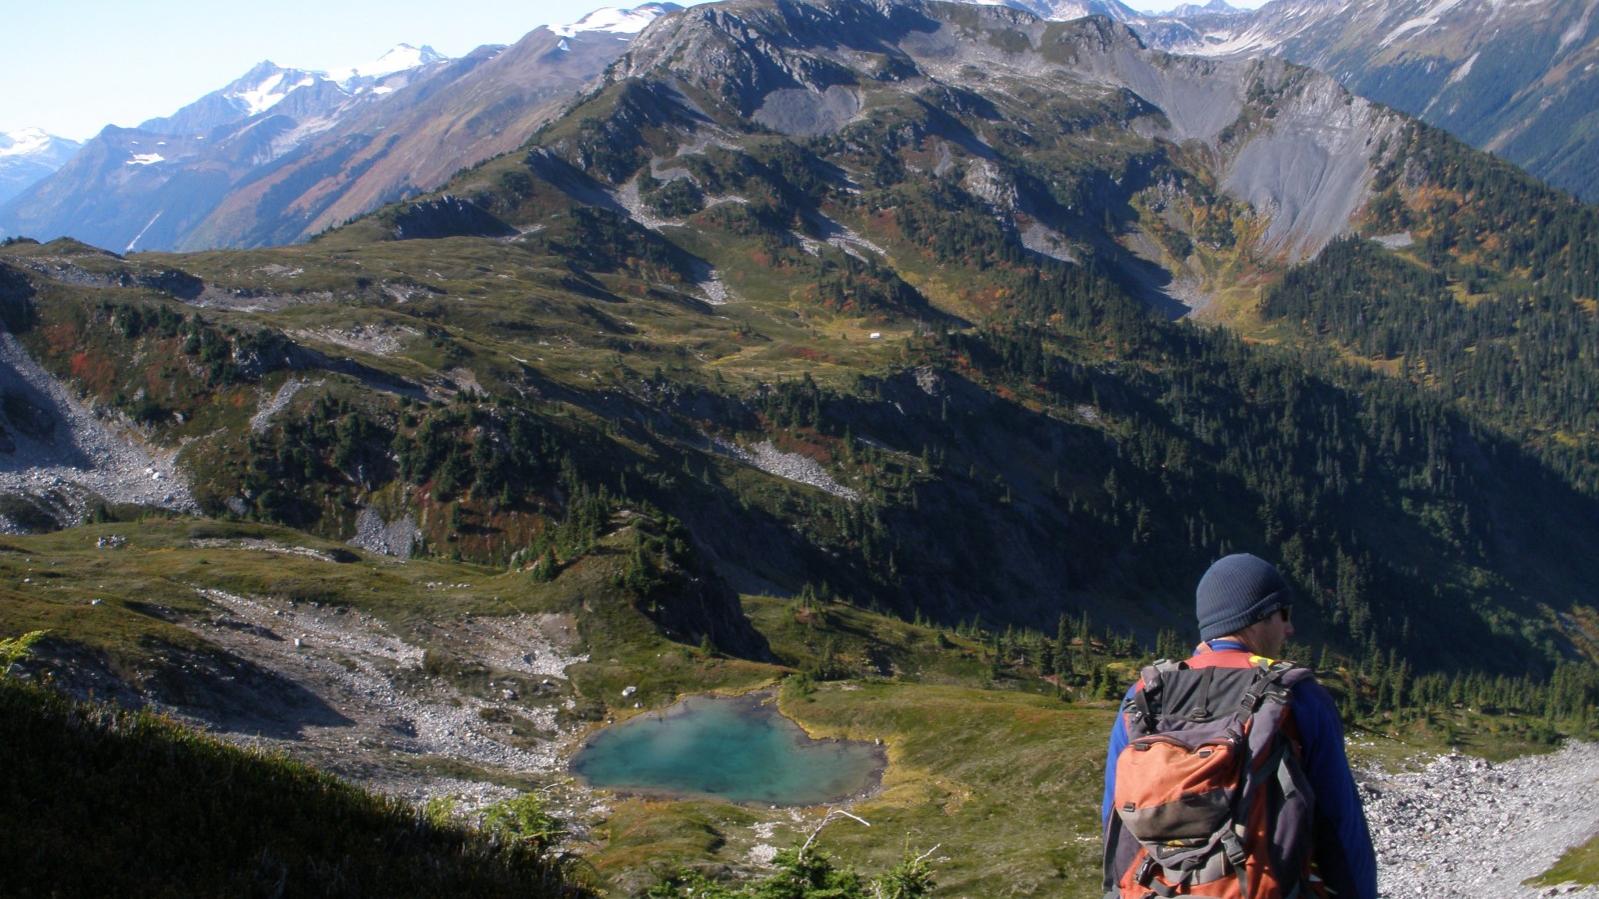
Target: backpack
[1210,796]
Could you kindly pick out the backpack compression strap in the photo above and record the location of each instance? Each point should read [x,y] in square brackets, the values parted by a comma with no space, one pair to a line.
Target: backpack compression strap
[1142,711]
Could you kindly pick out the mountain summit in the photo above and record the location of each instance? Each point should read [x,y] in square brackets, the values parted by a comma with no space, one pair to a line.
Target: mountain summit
[399,59]
[1194,10]
[28,156]
[615,20]
[281,154]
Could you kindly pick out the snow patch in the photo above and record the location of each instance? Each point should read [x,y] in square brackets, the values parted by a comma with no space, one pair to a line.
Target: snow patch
[145,159]
[1464,70]
[1576,31]
[1425,20]
[399,59]
[24,142]
[135,241]
[271,91]
[613,21]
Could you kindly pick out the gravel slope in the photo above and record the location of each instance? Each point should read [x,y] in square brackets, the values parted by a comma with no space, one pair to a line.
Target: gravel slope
[65,451]
[1466,828]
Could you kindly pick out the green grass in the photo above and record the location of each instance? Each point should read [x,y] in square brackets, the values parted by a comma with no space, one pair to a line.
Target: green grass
[961,754]
[1007,784]
[865,643]
[999,772]
[95,801]
[1580,864]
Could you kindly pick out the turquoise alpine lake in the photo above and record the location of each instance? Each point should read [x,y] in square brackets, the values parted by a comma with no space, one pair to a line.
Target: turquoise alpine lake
[739,749]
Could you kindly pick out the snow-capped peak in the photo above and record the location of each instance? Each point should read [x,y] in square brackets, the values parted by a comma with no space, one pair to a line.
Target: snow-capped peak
[23,142]
[398,59]
[1192,10]
[264,86]
[614,20]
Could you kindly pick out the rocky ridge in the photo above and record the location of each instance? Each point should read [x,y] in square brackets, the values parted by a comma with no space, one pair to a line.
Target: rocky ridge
[1291,144]
[1516,77]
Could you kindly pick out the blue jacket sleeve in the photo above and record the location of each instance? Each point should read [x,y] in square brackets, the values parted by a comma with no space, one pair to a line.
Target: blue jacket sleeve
[1118,742]
[1345,857]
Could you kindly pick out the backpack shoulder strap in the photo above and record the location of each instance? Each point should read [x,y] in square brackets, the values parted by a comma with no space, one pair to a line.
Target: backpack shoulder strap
[1142,710]
[1273,680]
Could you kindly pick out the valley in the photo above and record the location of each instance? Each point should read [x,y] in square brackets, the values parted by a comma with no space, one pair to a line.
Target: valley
[456,687]
[904,361]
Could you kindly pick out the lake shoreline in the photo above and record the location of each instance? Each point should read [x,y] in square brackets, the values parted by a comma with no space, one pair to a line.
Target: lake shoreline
[750,706]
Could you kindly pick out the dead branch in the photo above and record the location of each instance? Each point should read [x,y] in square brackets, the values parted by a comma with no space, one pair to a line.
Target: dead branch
[825,819]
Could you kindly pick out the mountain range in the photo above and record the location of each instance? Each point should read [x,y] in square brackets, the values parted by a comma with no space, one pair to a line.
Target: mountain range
[877,295]
[1515,78]
[281,154]
[29,156]
[281,174]
[909,360]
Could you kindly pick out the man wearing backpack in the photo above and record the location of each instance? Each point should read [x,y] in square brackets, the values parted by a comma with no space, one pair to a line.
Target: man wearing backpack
[1226,774]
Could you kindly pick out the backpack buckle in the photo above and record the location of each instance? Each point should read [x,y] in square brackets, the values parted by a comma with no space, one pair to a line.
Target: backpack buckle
[1234,849]
[1146,871]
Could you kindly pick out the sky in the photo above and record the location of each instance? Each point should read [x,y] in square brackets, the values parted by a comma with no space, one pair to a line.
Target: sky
[74,66]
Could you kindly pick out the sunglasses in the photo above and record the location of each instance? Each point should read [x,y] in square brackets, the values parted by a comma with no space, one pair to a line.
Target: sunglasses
[1287,612]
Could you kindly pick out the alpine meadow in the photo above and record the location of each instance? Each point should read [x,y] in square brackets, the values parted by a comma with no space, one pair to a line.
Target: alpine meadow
[900,365]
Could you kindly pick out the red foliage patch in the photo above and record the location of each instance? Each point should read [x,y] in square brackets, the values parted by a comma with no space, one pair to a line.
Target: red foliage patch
[61,338]
[96,374]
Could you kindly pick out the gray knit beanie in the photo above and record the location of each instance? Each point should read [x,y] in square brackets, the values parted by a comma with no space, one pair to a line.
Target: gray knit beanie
[1236,592]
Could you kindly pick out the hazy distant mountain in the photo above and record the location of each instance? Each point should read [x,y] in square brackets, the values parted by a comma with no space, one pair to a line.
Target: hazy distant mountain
[1517,77]
[424,136]
[1063,10]
[28,156]
[283,153]
[1195,10]
[620,23]
[146,187]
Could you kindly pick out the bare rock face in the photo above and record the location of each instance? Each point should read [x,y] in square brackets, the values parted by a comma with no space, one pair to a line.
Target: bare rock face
[988,183]
[1515,77]
[1293,144]
[805,113]
[1309,168]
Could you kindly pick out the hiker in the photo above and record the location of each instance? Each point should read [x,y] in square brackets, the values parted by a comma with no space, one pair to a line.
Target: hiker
[1232,763]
